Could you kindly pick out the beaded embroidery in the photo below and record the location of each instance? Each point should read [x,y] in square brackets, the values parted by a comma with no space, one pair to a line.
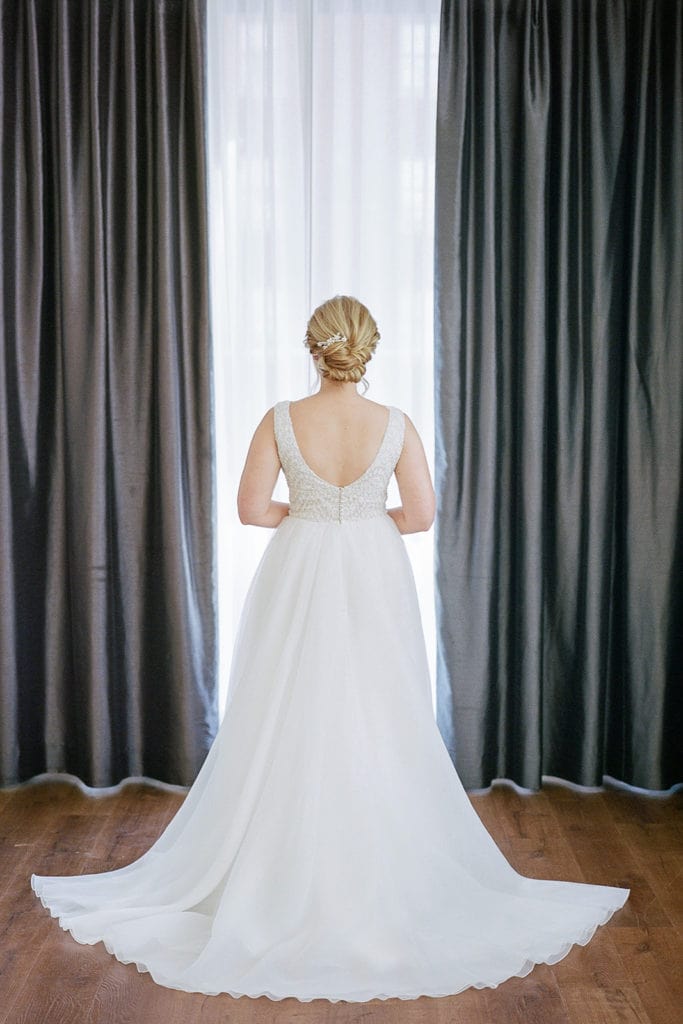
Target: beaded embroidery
[311,497]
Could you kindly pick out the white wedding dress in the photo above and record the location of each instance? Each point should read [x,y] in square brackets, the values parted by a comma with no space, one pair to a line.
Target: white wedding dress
[327,848]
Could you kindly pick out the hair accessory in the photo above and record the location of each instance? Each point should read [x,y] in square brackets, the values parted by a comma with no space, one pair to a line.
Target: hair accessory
[331,340]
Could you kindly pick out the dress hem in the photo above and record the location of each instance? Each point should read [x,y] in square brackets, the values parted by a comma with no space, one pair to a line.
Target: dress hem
[525,968]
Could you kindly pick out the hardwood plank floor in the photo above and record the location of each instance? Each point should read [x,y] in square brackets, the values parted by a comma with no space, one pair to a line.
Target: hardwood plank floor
[630,971]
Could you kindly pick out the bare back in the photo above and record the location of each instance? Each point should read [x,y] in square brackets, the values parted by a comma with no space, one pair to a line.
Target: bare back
[338,436]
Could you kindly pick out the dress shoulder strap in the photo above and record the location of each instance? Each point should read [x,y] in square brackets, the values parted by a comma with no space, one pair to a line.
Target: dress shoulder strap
[396,431]
[279,420]
[282,431]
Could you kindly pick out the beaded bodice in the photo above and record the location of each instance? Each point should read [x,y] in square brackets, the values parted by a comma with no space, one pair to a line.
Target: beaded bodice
[311,497]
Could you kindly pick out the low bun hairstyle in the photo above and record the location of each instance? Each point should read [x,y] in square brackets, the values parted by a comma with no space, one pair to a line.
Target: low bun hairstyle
[342,360]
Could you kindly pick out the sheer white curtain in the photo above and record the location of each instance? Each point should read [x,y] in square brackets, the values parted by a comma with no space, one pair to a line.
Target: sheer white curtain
[321,121]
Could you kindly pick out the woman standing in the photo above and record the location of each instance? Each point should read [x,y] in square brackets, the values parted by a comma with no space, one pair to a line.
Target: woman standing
[327,848]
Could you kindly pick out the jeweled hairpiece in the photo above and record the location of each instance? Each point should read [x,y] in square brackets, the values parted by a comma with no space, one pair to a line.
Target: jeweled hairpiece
[331,340]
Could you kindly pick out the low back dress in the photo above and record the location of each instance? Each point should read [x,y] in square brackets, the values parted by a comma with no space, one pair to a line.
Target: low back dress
[327,848]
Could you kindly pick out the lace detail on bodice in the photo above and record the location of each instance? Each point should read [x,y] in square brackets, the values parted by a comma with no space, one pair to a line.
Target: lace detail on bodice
[311,497]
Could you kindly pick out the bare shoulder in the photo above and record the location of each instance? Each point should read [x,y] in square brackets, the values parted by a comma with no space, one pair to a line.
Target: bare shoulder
[319,409]
[267,420]
[315,400]
[376,405]
[411,433]
[413,452]
[265,431]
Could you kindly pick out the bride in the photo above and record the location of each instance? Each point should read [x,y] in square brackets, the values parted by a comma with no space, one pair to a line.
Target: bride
[327,848]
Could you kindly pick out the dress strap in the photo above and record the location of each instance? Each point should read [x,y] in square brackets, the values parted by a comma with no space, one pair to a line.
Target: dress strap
[396,435]
[278,420]
[281,431]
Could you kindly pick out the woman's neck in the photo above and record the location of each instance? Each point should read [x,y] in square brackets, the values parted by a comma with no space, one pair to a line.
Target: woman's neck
[341,389]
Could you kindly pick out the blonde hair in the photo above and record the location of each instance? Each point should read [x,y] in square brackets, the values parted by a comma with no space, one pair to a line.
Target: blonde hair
[342,360]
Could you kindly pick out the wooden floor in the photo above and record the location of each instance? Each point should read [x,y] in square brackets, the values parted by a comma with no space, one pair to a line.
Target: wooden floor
[629,972]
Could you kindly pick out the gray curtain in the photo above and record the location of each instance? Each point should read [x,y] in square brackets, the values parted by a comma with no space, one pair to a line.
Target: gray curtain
[559,390]
[107,620]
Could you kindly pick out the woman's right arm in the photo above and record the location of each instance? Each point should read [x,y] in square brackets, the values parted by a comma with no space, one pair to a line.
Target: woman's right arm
[255,506]
[418,502]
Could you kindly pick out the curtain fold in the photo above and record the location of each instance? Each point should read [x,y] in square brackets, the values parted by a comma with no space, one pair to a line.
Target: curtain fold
[107,626]
[559,376]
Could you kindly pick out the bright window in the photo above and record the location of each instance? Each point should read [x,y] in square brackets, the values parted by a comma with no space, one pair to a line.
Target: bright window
[321,124]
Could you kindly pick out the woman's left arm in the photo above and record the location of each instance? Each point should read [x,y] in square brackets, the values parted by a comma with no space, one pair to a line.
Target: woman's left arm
[255,506]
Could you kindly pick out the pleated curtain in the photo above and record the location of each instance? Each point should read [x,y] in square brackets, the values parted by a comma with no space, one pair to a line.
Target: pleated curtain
[107,618]
[559,390]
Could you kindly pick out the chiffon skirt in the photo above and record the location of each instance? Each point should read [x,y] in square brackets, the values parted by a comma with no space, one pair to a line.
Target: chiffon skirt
[327,848]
